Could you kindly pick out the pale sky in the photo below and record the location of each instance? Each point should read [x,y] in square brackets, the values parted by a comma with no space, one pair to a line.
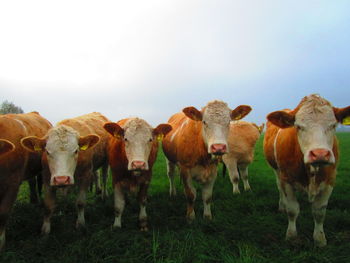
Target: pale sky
[152,58]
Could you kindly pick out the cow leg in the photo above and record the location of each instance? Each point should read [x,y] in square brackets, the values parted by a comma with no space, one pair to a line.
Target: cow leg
[104,175]
[243,170]
[319,207]
[5,209]
[171,174]
[33,192]
[119,204]
[142,198]
[80,204]
[281,203]
[49,207]
[190,192]
[207,194]
[96,181]
[234,175]
[292,209]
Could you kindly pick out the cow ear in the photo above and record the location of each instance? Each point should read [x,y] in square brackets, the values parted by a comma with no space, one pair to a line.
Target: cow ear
[192,113]
[114,129]
[342,115]
[240,112]
[88,141]
[6,146]
[161,130]
[281,119]
[33,144]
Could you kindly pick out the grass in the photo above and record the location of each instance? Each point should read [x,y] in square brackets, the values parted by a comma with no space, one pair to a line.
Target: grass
[246,228]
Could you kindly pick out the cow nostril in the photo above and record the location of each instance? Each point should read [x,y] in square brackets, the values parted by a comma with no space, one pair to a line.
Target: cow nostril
[138,165]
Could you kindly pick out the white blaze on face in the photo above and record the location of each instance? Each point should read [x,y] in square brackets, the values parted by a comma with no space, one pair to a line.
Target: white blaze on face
[138,140]
[62,154]
[216,124]
[315,123]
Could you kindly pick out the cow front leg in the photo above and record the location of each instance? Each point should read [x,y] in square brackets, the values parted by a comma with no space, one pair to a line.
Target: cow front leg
[292,209]
[190,193]
[49,207]
[234,175]
[33,192]
[142,198]
[319,207]
[80,204]
[104,175]
[207,194]
[171,174]
[119,204]
[243,170]
[6,204]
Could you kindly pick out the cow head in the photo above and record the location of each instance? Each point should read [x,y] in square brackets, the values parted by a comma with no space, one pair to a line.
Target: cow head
[61,148]
[138,137]
[6,147]
[215,118]
[315,121]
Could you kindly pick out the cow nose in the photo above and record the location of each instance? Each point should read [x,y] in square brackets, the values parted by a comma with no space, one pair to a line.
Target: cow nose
[61,180]
[138,165]
[218,148]
[319,156]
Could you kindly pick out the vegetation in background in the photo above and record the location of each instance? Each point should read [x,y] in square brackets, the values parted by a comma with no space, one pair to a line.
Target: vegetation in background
[9,107]
[246,228]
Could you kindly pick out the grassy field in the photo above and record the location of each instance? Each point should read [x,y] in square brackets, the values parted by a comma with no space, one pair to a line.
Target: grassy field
[245,228]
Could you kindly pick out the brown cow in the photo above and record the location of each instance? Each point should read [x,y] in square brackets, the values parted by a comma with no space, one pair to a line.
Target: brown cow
[132,152]
[69,157]
[196,137]
[242,138]
[300,145]
[16,164]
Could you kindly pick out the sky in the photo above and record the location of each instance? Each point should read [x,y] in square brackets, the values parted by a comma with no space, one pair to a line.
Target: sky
[152,58]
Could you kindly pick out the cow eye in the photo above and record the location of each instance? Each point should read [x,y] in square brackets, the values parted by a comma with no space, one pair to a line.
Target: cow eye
[204,122]
[47,152]
[125,139]
[299,128]
[151,140]
[76,151]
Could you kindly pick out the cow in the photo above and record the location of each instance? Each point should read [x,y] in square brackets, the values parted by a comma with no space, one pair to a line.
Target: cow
[72,151]
[195,145]
[242,138]
[132,151]
[301,146]
[16,164]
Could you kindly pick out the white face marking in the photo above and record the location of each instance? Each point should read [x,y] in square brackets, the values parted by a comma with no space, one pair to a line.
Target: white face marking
[62,152]
[138,140]
[216,124]
[315,122]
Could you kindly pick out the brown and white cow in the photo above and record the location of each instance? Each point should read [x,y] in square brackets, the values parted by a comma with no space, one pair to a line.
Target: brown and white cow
[302,148]
[72,151]
[242,138]
[16,164]
[196,137]
[132,152]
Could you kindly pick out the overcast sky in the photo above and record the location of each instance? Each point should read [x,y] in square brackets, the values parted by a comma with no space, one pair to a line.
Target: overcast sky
[152,58]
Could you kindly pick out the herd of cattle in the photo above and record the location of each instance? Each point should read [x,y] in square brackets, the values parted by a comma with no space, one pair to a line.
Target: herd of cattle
[300,145]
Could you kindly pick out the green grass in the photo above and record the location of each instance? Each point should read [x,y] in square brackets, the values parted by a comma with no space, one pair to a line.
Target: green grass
[246,228]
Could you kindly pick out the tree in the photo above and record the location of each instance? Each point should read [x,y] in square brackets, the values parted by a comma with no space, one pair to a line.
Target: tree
[9,107]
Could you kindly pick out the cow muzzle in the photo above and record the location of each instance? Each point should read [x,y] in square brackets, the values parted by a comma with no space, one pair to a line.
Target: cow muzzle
[138,165]
[218,149]
[319,157]
[61,181]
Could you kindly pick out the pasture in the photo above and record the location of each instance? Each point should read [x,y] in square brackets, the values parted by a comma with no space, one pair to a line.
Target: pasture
[245,228]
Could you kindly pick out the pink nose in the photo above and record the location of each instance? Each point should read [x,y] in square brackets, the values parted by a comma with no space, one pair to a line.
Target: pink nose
[138,165]
[319,156]
[218,148]
[61,180]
